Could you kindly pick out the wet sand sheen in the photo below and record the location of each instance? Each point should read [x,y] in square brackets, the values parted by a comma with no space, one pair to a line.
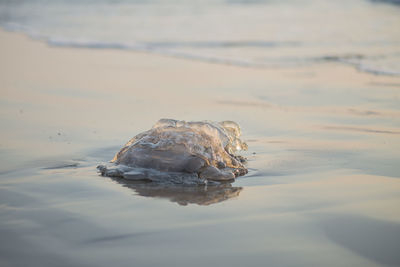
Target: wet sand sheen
[322,188]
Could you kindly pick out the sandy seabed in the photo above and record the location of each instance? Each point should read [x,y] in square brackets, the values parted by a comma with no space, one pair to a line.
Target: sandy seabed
[323,184]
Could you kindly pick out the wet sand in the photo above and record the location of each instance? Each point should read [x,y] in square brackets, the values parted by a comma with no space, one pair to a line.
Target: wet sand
[322,190]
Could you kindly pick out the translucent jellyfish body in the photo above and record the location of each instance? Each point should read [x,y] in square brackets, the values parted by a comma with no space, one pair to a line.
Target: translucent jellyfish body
[181,152]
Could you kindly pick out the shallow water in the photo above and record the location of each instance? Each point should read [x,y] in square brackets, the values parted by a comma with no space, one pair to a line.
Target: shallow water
[323,183]
[259,34]
[68,215]
[319,192]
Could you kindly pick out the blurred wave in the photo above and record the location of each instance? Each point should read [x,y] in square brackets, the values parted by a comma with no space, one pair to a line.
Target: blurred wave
[395,2]
[249,33]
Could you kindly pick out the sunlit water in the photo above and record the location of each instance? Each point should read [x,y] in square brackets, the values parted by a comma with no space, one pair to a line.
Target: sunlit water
[323,157]
[266,34]
[322,190]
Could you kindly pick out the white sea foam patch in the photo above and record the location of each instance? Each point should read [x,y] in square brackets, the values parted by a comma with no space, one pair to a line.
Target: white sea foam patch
[180,152]
[379,65]
[253,53]
[173,50]
[201,30]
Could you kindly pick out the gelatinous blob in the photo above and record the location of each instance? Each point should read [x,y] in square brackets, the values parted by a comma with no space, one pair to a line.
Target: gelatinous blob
[181,152]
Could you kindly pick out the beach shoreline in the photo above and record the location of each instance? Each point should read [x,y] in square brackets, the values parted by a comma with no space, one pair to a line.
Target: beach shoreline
[323,182]
[34,73]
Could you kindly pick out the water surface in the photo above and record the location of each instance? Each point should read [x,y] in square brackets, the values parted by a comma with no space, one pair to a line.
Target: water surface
[261,34]
[323,183]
